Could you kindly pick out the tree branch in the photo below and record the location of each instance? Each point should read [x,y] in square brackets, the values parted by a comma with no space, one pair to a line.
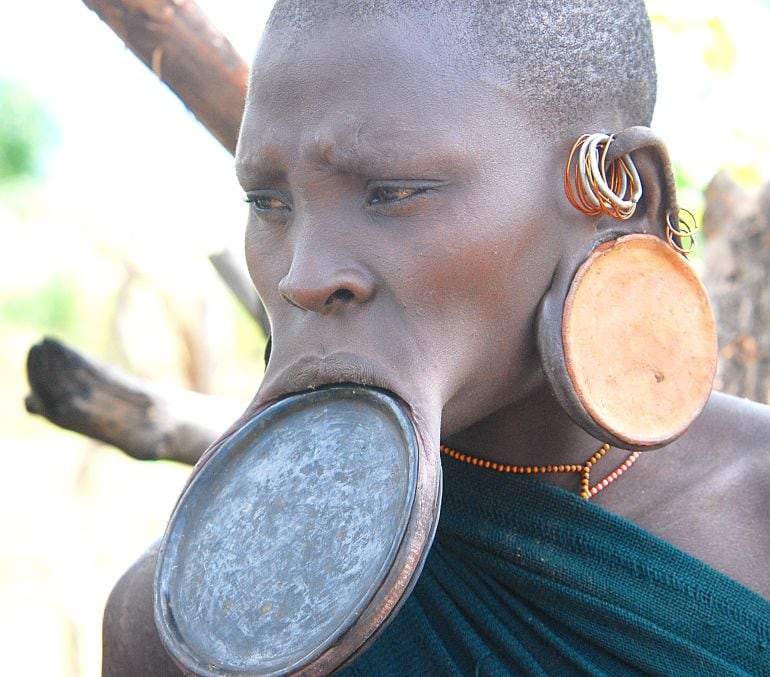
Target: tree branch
[187,52]
[234,276]
[175,39]
[180,45]
[146,421]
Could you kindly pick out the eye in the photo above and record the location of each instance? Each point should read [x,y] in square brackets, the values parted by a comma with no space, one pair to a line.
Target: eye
[384,194]
[394,193]
[266,201]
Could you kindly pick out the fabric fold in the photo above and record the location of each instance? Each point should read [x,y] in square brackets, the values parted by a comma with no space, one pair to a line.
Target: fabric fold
[525,578]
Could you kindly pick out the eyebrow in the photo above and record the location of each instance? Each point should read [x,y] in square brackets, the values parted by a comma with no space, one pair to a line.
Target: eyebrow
[267,163]
[270,162]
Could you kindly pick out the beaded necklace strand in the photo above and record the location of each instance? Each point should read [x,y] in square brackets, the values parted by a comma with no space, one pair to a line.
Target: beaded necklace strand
[583,469]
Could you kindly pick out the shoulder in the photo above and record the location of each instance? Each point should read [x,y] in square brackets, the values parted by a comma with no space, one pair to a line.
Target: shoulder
[731,442]
[726,452]
[737,431]
[709,492]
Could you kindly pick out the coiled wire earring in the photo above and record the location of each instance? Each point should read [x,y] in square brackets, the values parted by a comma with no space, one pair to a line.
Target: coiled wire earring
[683,232]
[594,186]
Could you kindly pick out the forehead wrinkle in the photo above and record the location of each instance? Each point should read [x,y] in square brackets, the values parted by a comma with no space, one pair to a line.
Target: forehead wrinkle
[341,145]
[359,145]
[412,127]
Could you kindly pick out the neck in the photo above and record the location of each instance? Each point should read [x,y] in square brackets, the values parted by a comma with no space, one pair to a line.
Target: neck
[535,431]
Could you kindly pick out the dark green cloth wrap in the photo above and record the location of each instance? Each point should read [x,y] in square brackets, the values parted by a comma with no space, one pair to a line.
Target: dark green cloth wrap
[525,578]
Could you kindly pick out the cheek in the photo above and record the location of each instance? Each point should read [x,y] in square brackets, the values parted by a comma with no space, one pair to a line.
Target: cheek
[483,294]
[483,272]
[266,260]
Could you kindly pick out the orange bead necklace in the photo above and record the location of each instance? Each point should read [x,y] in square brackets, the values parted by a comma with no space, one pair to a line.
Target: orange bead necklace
[583,469]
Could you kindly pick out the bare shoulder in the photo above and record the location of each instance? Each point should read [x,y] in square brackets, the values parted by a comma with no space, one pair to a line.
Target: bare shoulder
[726,452]
[733,439]
[737,431]
[709,492]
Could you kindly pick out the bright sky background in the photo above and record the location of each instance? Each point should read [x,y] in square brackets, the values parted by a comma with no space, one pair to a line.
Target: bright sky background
[719,115]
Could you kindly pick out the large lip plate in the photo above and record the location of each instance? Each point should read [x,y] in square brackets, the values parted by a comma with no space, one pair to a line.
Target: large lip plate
[235,453]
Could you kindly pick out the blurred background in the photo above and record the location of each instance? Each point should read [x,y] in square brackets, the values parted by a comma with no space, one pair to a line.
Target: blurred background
[111,198]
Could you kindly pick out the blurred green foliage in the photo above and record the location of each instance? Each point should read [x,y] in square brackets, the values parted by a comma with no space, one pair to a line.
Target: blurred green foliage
[51,308]
[26,132]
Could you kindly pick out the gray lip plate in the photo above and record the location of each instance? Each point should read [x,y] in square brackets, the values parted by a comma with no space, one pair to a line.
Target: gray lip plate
[286,533]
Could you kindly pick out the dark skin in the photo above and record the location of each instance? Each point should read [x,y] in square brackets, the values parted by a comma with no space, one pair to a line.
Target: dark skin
[406,221]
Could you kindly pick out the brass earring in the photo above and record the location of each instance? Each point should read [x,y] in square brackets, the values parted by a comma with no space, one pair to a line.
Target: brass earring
[594,186]
[626,335]
[683,232]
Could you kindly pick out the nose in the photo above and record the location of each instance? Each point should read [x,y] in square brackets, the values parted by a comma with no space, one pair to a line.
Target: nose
[326,289]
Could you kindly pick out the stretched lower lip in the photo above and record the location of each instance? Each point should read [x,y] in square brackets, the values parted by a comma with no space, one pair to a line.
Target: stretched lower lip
[309,373]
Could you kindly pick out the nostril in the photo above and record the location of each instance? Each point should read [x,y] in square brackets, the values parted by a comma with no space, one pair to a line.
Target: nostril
[340,295]
[323,293]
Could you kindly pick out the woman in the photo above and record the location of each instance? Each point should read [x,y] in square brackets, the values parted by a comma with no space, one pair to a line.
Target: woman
[410,229]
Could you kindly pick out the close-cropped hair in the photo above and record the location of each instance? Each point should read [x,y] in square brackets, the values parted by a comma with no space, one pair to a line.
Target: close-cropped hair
[563,60]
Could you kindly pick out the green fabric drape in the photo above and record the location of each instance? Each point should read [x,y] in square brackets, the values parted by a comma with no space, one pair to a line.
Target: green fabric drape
[525,578]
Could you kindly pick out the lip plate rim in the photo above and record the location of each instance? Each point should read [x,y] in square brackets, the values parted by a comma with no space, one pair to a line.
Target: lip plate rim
[231,447]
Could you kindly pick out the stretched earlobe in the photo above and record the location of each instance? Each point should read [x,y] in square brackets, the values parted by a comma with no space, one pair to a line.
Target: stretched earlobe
[607,175]
[662,214]
[626,334]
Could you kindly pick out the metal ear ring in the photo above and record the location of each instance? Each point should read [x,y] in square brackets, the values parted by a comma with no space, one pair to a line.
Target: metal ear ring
[594,186]
[683,231]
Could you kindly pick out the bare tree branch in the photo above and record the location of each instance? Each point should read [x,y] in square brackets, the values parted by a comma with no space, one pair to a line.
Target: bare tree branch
[143,419]
[187,52]
[175,39]
[235,277]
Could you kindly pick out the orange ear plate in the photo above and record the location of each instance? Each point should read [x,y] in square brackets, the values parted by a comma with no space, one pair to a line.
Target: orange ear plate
[639,340]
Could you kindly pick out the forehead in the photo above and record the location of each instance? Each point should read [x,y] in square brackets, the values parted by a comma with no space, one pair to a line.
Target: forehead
[390,80]
[414,51]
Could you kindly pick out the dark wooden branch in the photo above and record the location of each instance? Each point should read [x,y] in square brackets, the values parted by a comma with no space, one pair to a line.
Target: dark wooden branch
[238,281]
[185,50]
[143,419]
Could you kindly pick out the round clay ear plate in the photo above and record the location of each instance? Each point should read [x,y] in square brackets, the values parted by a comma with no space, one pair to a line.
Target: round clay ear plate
[639,340]
[297,540]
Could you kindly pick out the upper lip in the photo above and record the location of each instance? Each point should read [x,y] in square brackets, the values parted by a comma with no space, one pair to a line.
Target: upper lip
[310,372]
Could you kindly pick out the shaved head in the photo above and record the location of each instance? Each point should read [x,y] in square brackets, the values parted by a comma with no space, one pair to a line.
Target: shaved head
[564,61]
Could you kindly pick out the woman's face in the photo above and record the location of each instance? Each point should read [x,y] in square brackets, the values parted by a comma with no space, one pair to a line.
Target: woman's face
[404,218]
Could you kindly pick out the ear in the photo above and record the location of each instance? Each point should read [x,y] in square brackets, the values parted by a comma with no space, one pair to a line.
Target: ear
[656,208]
[658,202]
[622,359]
